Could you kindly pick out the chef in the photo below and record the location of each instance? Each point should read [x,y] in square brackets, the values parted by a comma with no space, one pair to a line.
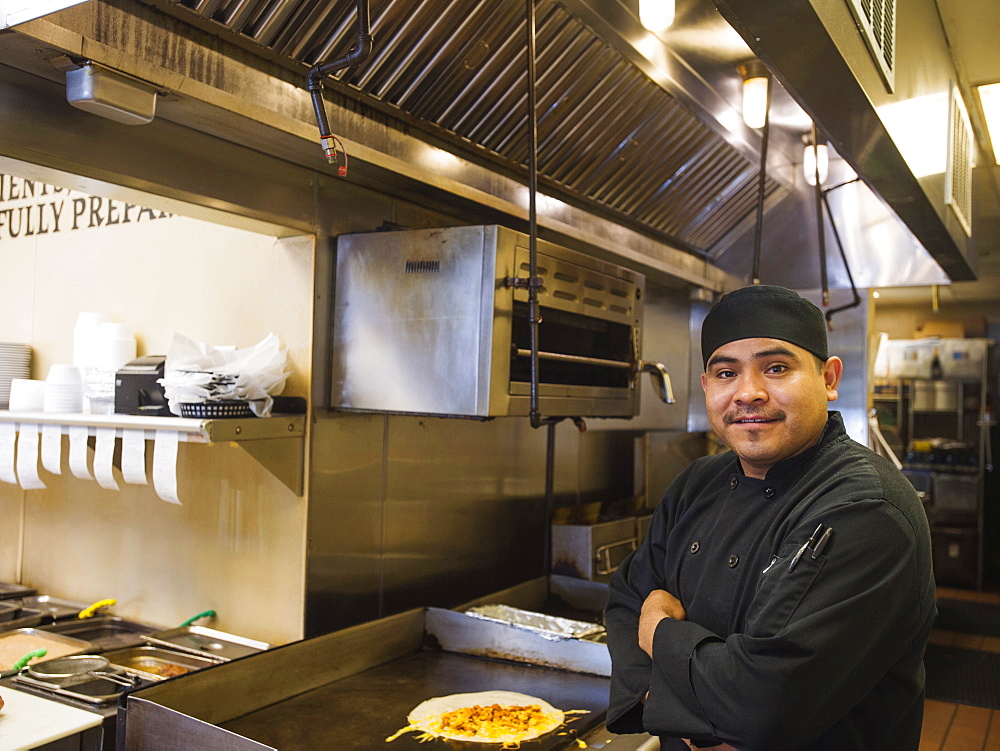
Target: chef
[784,594]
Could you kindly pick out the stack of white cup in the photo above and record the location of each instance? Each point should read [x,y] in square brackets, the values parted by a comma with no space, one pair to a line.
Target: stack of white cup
[100,348]
[63,389]
[27,395]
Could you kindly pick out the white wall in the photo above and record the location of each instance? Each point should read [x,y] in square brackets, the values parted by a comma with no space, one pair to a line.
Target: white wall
[237,544]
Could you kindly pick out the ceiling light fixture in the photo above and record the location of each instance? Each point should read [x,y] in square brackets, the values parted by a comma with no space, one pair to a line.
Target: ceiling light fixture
[100,90]
[656,15]
[989,97]
[756,82]
[815,159]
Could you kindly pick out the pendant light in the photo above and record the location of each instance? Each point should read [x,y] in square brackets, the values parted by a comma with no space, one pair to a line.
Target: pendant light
[756,83]
[656,15]
[815,160]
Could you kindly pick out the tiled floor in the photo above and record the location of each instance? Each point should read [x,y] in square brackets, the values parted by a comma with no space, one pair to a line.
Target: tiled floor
[957,727]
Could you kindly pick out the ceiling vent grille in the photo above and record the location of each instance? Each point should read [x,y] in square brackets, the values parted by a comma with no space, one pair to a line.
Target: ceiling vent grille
[877,19]
[958,176]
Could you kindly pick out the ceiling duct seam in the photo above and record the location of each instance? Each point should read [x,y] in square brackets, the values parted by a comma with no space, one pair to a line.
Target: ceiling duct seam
[646,174]
[401,58]
[730,208]
[455,89]
[602,139]
[588,174]
[702,219]
[434,73]
[573,134]
[662,179]
[271,20]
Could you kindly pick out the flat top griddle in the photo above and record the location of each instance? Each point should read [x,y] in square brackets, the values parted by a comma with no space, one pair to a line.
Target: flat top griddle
[361,711]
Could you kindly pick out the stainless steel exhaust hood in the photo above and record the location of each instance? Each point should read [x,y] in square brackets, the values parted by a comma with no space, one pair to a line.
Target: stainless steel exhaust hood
[636,128]
[609,137]
[635,131]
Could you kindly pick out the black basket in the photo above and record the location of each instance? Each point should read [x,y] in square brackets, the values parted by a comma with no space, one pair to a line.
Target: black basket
[216,410]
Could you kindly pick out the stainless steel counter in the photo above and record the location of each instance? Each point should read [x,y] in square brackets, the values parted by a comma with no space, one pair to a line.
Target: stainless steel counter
[355,687]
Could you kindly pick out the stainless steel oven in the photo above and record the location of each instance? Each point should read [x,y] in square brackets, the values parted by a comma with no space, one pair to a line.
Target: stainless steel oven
[427,322]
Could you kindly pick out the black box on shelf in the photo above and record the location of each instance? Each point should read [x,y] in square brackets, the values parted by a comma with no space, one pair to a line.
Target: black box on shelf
[137,391]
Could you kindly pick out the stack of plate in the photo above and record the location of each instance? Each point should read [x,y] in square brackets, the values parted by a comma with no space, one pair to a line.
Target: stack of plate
[15,362]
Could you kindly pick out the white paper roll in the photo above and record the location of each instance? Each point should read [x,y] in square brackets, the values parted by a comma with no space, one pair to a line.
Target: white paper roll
[78,452]
[104,454]
[8,436]
[52,448]
[27,457]
[165,465]
[134,457]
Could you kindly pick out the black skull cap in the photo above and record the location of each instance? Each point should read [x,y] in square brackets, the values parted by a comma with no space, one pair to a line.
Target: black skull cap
[768,312]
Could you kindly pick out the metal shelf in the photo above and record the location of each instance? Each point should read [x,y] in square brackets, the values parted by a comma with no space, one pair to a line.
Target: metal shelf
[264,438]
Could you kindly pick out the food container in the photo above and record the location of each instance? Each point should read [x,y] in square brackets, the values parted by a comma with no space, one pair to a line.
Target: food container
[594,551]
[9,591]
[14,616]
[54,607]
[911,358]
[104,632]
[206,641]
[16,644]
[157,663]
[963,358]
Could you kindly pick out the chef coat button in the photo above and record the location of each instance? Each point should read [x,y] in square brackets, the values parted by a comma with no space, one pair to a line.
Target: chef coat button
[733,560]
[733,482]
[768,492]
[695,546]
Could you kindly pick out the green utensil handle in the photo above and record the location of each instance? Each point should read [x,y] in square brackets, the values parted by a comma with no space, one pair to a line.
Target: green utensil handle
[28,658]
[206,614]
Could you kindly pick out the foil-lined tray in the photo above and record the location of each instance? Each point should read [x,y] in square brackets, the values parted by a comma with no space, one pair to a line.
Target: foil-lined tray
[547,626]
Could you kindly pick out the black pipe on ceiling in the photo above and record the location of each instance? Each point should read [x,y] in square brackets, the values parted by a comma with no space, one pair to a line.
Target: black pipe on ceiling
[840,246]
[357,55]
[761,184]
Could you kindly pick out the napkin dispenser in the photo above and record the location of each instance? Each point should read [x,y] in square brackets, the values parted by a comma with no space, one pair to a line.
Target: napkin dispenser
[137,391]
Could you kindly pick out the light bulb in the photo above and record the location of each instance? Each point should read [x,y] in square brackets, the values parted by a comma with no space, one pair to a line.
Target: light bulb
[809,157]
[755,101]
[656,15]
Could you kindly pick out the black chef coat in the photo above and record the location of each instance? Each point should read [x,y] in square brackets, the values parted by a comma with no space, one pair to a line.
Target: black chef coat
[826,656]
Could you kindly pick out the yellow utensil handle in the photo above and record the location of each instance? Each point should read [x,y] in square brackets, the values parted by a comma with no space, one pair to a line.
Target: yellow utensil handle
[89,611]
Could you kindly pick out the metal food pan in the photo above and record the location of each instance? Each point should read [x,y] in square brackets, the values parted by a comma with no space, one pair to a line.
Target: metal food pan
[157,663]
[104,632]
[95,691]
[8,590]
[55,607]
[13,616]
[7,611]
[29,639]
[206,641]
